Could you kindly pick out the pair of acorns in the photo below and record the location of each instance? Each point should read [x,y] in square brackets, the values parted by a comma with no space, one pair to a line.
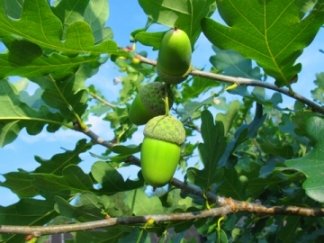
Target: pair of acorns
[163,134]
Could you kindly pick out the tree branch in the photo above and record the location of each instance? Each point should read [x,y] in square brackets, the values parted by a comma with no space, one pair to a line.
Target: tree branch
[228,206]
[247,82]
[219,200]
[125,220]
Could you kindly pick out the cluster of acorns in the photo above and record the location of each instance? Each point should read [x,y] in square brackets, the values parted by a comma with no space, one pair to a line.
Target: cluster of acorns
[163,134]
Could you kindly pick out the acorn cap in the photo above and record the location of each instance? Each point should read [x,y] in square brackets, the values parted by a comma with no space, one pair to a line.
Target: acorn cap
[165,128]
[152,96]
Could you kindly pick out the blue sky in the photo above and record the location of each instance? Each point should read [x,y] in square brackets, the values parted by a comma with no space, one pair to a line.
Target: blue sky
[124,18]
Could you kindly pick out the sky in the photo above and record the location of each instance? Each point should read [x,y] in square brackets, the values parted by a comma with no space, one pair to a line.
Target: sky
[124,18]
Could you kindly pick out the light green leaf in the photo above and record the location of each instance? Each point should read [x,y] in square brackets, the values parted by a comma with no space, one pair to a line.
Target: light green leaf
[149,38]
[312,164]
[318,92]
[273,33]
[184,14]
[143,204]
[95,13]
[39,25]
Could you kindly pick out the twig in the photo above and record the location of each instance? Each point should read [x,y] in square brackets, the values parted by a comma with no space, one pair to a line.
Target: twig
[227,206]
[222,201]
[248,82]
[103,101]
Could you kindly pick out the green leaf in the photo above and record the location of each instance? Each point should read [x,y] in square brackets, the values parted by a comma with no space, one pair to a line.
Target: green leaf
[111,180]
[184,14]
[72,181]
[318,92]
[149,38]
[95,13]
[273,33]
[57,163]
[39,25]
[16,115]
[312,164]
[56,64]
[86,207]
[23,182]
[233,63]
[210,151]
[143,204]
[26,212]
[228,118]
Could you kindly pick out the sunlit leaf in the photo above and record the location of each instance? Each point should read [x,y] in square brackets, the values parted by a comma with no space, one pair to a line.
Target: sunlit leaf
[180,13]
[273,33]
[39,25]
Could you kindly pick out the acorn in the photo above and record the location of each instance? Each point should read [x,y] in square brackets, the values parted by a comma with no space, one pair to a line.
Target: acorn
[174,58]
[160,151]
[149,102]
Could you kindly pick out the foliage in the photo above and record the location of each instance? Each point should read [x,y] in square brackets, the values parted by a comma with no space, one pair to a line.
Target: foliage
[241,142]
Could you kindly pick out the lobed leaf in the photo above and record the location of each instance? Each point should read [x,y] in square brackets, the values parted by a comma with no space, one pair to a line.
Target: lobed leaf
[184,14]
[16,115]
[312,164]
[318,91]
[39,25]
[273,33]
[211,150]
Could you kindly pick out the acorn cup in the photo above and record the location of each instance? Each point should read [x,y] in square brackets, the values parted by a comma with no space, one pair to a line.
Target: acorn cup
[149,102]
[160,151]
[174,58]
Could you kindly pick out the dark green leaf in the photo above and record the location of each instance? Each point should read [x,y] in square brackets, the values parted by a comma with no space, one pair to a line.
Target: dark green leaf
[274,37]
[111,180]
[210,150]
[58,162]
[27,212]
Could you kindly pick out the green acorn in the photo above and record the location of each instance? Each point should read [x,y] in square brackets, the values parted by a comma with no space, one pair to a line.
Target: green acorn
[149,102]
[174,58]
[160,151]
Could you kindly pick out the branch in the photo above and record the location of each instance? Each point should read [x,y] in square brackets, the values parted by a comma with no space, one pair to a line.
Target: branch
[102,100]
[125,220]
[247,82]
[222,201]
[228,206]
[239,206]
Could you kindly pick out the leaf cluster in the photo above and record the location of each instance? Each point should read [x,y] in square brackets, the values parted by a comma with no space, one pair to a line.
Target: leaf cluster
[242,142]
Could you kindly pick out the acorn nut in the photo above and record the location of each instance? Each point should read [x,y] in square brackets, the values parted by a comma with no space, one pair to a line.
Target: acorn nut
[174,58]
[160,151]
[149,102]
